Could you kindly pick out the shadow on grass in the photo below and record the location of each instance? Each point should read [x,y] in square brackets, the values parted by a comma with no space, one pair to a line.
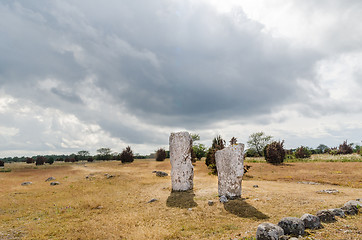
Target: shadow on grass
[181,199]
[241,208]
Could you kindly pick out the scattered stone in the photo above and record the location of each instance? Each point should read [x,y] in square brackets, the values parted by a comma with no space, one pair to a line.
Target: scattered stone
[99,207]
[350,209]
[311,221]
[152,200]
[161,174]
[54,183]
[329,191]
[229,164]
[108,176]
[210,202]
[255,186]
[50,179]
[223,199]
[292,226]
[182,171]
[293,238]
[326,216]
[190,209]
[26,183]
[311,183]
[337,212]
[269,231]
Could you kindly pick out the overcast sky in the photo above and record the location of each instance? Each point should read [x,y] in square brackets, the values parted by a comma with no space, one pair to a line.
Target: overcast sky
[81,75]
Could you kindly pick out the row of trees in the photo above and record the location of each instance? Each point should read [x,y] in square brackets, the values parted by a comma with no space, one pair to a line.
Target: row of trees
[104,154]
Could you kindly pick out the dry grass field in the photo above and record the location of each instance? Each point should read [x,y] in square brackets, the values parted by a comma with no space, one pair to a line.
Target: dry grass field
[116,208]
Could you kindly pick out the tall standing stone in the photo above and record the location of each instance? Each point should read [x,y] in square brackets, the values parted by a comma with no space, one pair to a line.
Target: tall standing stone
[229,164]
[182,171]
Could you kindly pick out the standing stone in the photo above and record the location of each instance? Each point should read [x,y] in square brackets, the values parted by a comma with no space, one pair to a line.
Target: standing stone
[229,164]
[182,171]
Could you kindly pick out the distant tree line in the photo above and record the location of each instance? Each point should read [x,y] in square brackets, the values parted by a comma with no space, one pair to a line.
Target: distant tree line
[103,154]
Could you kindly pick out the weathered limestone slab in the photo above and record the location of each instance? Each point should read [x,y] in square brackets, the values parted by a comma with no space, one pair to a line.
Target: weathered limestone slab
[182,171]
[229,164]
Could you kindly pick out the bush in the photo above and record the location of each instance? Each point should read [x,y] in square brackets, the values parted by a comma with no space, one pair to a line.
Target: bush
[29,160]
[302,152]
[40,160]
[251,153]
[345,148]
[127,155]
[217,144]
[274,152]
[2,163]
[90,159]
[160,154]
[50,160]
[199,151]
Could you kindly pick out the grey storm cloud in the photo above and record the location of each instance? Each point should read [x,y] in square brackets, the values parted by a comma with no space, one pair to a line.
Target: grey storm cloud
[168,63]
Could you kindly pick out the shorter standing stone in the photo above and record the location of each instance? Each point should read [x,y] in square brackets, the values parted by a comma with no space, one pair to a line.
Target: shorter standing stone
[326,216]
[311,221]
[229,164]
[292,226]
[269,231]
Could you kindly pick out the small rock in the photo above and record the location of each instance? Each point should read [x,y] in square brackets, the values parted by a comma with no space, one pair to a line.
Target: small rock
[26,183]
[292,226]
[54,183]
[356,203]
[329,191]
[350,209]
[326,216]
[223,199]
[190,209]
[311,221]
[161,174]
[284,237]
[210,202]
[108,176]
[293,238]
[152,200]
[50,179]
[269,231]
[311,183]
[99,207]
[337,212]
[255,186]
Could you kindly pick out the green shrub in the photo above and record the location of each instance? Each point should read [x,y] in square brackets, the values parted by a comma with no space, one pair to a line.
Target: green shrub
[274,152]
[160,154]
[50,160]
[2,163]
[127,155]
[302,152]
